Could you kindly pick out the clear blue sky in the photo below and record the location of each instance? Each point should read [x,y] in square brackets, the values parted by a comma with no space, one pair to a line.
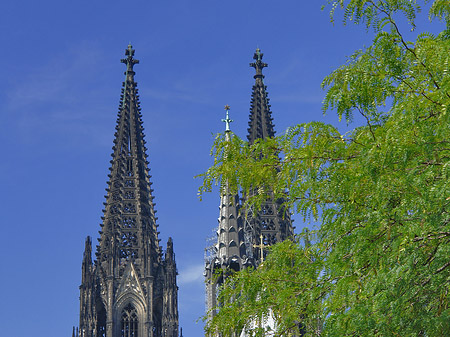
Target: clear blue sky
[59,97]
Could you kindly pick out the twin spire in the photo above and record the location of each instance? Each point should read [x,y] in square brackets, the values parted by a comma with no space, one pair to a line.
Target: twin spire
[130,286]
[252,231]
[243,234]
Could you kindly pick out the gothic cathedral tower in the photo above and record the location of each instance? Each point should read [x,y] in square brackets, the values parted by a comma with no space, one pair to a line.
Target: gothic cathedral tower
[272,223]
[130,289]
[243,235]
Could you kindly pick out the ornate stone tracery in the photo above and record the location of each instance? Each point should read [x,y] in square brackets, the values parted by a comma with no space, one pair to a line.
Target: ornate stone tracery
[129,322]
[130,289]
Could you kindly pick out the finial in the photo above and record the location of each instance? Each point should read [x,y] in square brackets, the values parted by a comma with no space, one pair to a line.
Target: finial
[170,244]
[129,61]
[227,119]
[258,64]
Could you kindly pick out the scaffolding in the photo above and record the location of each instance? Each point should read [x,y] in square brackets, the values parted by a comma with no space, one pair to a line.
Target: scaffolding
[211,242]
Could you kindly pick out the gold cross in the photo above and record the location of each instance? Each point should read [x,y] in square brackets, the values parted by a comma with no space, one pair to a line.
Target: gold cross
[261,246]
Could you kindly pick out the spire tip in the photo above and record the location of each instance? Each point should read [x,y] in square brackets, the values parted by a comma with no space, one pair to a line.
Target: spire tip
[259,65]
[227,119]
[130,61]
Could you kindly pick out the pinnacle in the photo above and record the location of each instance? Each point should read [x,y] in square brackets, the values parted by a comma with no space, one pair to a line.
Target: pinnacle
[260,124]
[227,119]
[259,65]
[129,199]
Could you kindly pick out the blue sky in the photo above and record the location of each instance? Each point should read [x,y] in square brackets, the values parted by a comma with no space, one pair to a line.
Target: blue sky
[59,97]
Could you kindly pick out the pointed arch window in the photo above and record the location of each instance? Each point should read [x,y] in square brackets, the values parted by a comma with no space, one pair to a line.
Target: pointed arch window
[129,322]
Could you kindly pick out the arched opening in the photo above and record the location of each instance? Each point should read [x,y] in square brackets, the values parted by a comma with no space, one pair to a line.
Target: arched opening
[157,316]
[101,320]
[234,264]
[129,322]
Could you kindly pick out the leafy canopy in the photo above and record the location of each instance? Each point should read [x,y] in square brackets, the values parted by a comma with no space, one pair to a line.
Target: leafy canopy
[379,265]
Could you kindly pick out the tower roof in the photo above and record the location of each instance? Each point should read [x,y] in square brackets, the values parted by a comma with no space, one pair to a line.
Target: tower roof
[260,124]
[272,223]
[129,229]
[130,286]
[229,233]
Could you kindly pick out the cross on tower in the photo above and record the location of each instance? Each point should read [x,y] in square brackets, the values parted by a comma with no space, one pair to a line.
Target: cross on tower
[261,247]
[227,119]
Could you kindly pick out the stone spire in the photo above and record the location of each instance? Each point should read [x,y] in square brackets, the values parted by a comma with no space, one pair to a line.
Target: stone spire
[130,287]
[87,263]
[129,230]
[271,223]
[260,124]
[230,244]
[229,250]
[170,297]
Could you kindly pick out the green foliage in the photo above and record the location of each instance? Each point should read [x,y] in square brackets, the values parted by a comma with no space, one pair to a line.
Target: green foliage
[379,263]
[273,288]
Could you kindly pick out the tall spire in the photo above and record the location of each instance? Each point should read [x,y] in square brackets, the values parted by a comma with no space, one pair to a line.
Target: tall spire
[260,124]
[271,223]
[135,285]
[229,250]
[230,242]
[129,224]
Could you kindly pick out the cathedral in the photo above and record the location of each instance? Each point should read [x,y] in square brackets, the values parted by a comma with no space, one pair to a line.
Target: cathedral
[243,235]
[130,289]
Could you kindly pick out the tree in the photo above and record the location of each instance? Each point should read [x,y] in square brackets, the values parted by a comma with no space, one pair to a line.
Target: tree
[379,265]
